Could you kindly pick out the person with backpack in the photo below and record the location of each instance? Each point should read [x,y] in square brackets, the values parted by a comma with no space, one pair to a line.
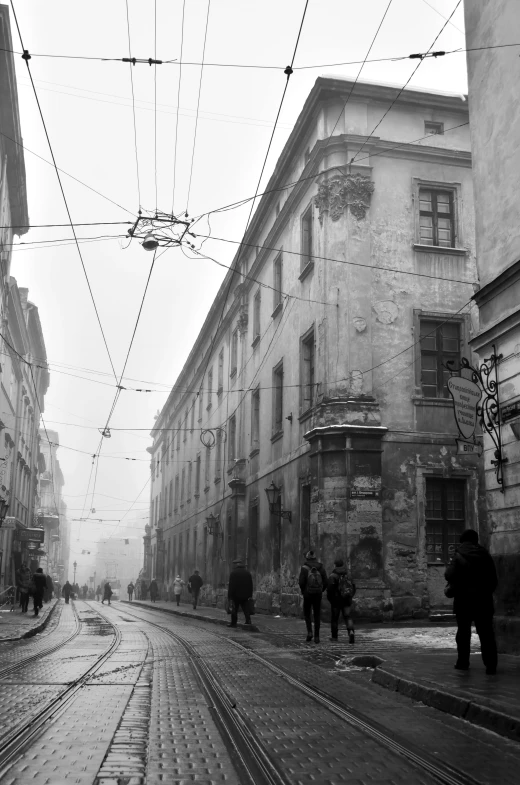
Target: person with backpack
[340,591]
[313,582]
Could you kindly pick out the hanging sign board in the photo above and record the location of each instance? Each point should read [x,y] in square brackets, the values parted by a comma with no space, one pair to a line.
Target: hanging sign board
[9,523]
[466,397]
[33,535]
[468,448]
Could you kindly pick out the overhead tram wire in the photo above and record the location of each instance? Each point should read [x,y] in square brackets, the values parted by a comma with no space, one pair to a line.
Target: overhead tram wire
[63,194]
[155,100]
[198,107]
[177,62]
[133,105]
[178,106]
[421,59]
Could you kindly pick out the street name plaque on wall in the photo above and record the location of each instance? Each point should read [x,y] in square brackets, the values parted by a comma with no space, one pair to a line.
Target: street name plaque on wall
[34,535]
[363,493]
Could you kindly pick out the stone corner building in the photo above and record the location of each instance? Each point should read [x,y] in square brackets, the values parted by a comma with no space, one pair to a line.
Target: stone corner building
[321,366]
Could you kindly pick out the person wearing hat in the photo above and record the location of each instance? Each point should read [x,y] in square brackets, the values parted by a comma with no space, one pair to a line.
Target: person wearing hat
[240,590]
[313,582]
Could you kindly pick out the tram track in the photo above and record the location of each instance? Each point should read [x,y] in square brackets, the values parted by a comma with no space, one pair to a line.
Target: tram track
[252,750]
[14,744]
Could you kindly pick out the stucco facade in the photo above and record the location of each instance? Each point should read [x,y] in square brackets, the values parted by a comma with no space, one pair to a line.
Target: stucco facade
[52,509]
[495,134]
[309,369]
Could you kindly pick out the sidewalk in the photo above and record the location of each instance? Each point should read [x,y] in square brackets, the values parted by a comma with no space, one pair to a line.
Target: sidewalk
[417,662]
[17,625]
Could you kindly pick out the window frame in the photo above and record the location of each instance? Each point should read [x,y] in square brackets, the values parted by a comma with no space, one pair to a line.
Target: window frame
[438,125]
[455,190]
[305,340]
[278,390]
[220,379]
[234,353]
[255,419]
[432,316]
[277,284]
[232,438]
[447,551]
[210,390]
[257,317]
[307,244]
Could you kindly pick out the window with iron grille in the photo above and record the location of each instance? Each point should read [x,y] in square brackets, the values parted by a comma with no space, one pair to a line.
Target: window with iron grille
[445,518]
[436,218]
[218,454]
[220,383]
[197,476]
[210,385]
[440,344]
[306,239]
[207,459]
[278,398]
[307,371]
[277,282]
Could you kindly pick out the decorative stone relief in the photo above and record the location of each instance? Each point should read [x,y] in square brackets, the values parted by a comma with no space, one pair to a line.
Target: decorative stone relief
[352,190]
[360,324]
[386,311]
[243,319]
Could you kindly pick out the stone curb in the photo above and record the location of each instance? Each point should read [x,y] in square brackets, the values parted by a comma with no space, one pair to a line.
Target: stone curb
[464,708]
[191,615]
[36,629]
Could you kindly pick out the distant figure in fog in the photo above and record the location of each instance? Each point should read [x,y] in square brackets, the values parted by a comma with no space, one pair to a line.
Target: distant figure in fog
[194,585]
[472,579]
[39,585]
[340,591]
[313,582]
[107,593]
[240,591]
[67,591]
[154,590]
[75,589]
[177,588]
[99,592]
[130,589]
[84,591]
[144,590]
[49,588]
[23,582]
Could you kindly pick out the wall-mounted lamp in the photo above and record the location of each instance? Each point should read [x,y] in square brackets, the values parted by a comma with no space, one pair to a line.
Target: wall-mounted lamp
[213,524]
[273,493]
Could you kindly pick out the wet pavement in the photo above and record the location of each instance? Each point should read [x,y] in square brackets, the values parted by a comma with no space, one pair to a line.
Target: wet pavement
[15,625]
[149,710]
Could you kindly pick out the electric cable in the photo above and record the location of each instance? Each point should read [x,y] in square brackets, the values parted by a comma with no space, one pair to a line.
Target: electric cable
[155,100]
[178,105]
[133,105]
[63,195]
[405,84]
[442,15]
[198,106]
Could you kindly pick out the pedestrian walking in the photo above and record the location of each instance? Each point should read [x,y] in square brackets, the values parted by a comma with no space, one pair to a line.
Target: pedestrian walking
[154,590]
[313,582]
[107,593]
[99,592]
[340,591]
[67,591]
[23,583]
[49,588]
[39,584]
[130,589]
[195,583]
[177,588]
[472,579]
[240,591]
[84,591]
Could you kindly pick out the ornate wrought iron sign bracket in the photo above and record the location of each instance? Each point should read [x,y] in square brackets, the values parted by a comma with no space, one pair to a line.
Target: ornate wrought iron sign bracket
[475,396]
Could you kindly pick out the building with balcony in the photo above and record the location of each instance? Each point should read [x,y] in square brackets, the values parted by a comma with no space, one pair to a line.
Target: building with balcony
[320,371]
[51,512]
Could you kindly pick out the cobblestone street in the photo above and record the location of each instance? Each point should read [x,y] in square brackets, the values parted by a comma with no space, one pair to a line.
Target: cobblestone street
[121,694]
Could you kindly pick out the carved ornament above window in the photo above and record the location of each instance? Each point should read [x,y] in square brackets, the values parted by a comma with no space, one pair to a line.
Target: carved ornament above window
[352,190]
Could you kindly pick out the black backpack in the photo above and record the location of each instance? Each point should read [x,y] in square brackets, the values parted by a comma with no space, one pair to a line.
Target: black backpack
[345,588]
[314,583]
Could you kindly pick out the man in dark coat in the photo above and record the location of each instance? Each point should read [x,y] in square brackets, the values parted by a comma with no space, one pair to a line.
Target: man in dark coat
[240,591]
[130,589]
[67,591]
[472,577]
[107,593]
[49,589]
[313,582]
[340,591]
[194,585]
[154,590]
[39,587]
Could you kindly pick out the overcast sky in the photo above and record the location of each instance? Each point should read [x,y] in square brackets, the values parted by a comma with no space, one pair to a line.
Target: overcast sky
[88,112]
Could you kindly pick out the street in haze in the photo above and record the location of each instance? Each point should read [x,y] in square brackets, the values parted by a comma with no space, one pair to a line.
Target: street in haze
[259,392]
